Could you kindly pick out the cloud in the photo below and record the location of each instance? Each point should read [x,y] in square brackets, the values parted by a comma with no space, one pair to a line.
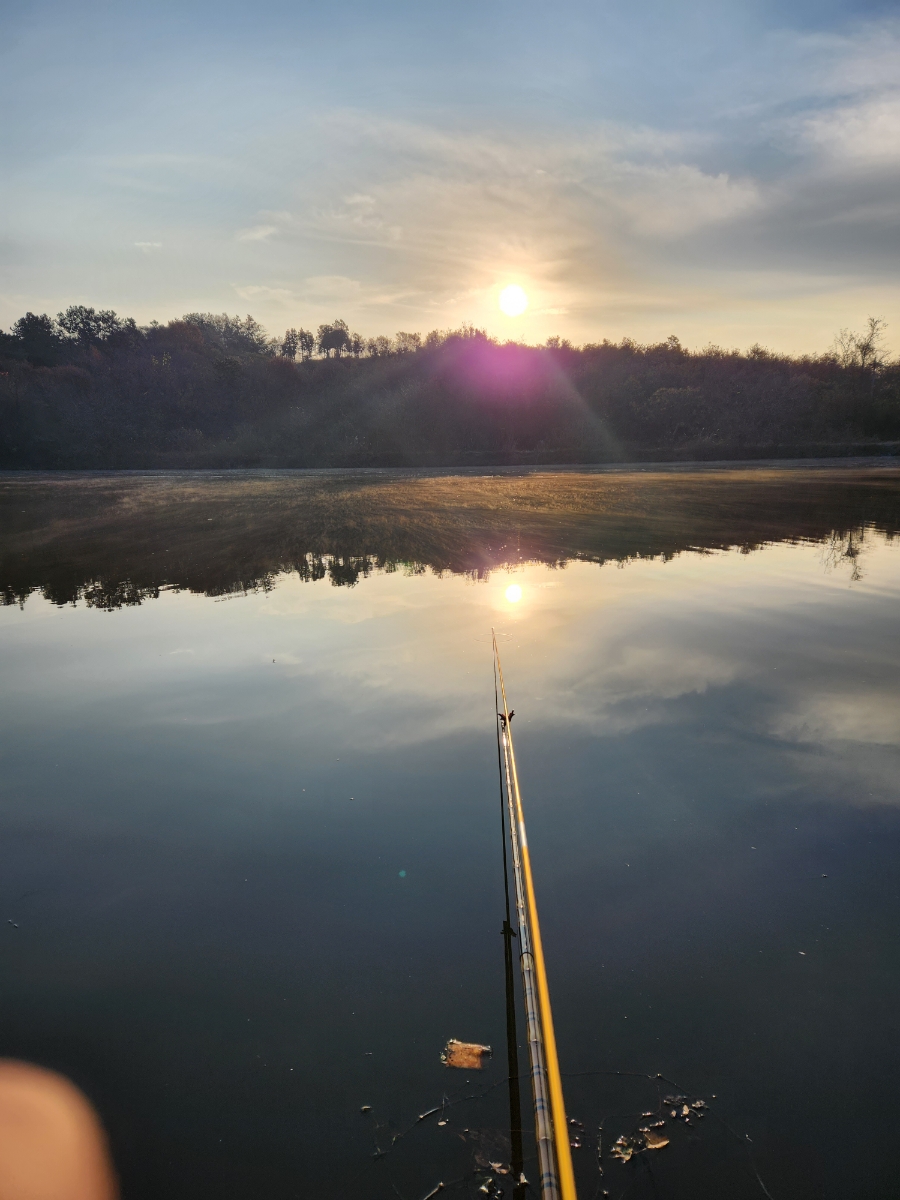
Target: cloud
[331,287]
[862,134]
[318,290]
[867,717]
[443,187]
[451,215]
[860,61]
[620,223]
[671,201]
[637,685]
[258,233]
[255,291]
[717,198]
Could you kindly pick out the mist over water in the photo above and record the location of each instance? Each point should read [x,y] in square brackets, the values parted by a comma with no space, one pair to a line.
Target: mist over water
[251,866]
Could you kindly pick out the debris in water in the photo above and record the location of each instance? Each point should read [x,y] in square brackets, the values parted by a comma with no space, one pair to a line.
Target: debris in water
[443,1122]
[434,1192]
[655,1141]
[366,1108]
[623,1149]
[467,1056]
[576,1133]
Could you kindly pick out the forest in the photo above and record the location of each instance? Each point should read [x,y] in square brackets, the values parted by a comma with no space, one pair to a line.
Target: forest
[91,390]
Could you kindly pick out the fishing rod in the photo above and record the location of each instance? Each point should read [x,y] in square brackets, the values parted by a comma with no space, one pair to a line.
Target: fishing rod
[516,1162]
[554,1154]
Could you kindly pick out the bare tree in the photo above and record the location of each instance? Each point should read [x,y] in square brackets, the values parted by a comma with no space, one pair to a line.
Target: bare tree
[861,349]
[870,345]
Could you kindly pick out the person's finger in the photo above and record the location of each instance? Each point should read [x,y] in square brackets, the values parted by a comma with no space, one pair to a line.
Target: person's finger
[52,1146]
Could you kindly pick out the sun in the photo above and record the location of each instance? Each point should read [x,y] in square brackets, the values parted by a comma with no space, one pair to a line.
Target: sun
[513,300]
[514,593]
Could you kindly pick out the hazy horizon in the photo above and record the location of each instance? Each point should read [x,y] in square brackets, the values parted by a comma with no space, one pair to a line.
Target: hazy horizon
[725,173]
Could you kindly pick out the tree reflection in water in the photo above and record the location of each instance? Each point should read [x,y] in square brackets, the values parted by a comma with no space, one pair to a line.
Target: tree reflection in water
[113,540]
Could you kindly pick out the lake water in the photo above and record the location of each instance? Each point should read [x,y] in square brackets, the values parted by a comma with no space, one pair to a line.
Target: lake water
[251,861]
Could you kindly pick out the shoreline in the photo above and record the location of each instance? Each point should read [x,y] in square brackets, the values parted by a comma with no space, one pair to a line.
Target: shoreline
[663,466]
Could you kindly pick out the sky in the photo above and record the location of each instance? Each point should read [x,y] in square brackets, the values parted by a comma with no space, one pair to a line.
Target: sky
[726,172]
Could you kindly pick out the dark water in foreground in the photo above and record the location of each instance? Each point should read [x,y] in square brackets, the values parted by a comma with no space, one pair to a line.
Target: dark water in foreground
[249,831]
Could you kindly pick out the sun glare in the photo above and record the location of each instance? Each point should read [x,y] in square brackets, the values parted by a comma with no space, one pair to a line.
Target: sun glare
[513,300]
[514,593]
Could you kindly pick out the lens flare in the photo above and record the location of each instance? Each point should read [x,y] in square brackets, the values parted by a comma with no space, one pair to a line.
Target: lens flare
[514,593]
[513,300]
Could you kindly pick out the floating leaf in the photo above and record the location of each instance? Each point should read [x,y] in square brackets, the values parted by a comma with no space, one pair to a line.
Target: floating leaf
[655,1141]
[467,1056]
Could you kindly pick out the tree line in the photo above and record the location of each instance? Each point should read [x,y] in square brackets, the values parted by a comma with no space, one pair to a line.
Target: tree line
[46,341]
[90,389]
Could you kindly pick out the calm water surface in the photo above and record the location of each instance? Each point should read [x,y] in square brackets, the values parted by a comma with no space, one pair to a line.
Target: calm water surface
[251,868]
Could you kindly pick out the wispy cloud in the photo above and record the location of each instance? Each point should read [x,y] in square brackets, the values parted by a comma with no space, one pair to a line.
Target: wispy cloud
[258,233]
[865,133]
